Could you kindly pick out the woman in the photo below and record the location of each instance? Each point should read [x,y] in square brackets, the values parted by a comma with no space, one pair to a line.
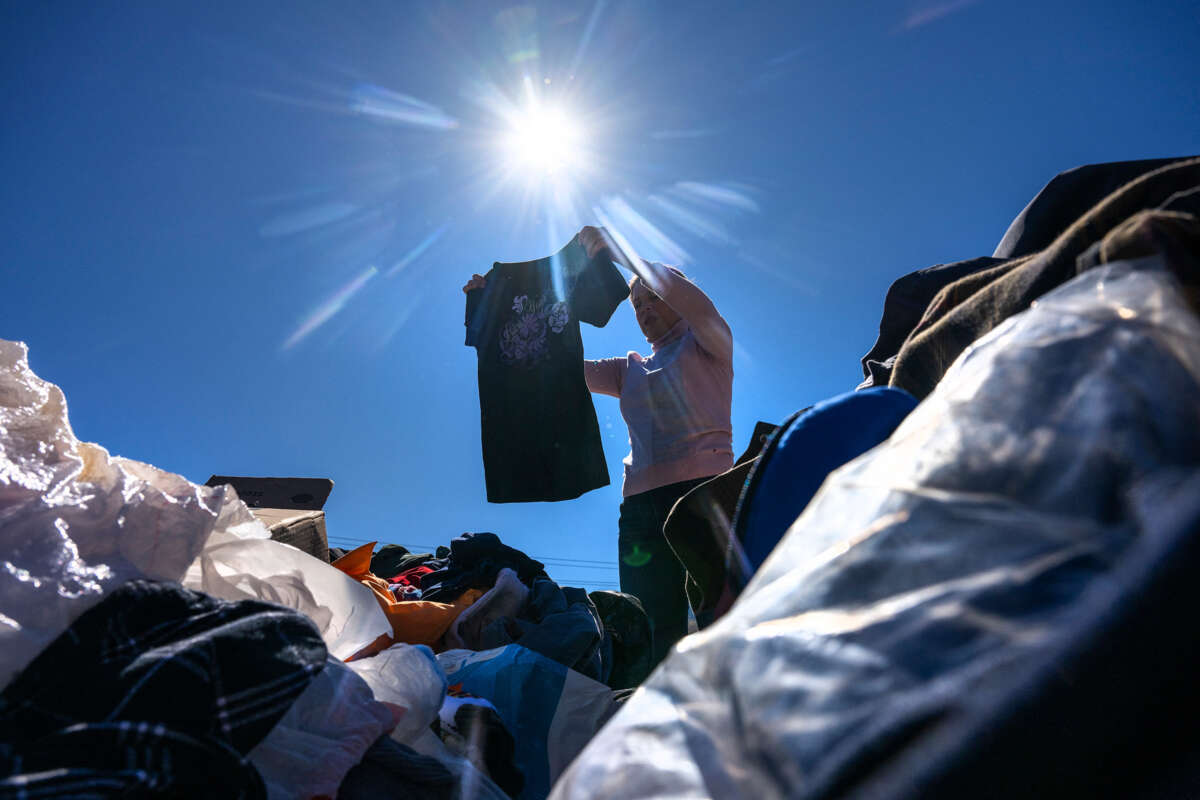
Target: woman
[676,403]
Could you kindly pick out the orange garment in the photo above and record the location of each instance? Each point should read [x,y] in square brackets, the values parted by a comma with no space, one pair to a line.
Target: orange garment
[412,621]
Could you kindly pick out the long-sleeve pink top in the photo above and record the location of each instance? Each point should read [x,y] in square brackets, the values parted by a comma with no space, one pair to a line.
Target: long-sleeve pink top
[676,401]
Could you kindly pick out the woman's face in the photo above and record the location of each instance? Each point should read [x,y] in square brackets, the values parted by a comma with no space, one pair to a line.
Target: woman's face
[654,316]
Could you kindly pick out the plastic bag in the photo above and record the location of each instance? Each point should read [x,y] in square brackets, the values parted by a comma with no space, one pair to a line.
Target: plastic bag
[407,676]
[239,563]
[325,733]
[928,570]
[473,784]
[550,710]
[75,523]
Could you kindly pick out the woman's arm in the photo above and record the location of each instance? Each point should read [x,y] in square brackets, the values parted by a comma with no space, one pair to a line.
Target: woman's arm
[688,301]
[684,297]
[605,376]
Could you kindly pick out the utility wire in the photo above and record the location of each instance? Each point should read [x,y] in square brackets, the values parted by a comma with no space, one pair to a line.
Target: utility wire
[583,563]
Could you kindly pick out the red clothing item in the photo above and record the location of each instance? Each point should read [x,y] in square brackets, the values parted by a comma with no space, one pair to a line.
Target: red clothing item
[413,621]
[412,577]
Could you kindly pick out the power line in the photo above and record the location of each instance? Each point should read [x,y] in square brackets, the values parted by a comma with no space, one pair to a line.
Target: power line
[595,581]
[583,563]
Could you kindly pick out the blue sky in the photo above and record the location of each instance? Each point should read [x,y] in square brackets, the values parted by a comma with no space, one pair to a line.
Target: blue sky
[235,235]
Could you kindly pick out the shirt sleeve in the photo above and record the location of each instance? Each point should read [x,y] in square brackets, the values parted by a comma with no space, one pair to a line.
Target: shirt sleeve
[605,376]
[598,289]
[474,299]
[685,298]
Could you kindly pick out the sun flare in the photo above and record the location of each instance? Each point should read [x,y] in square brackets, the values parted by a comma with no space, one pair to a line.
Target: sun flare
[545,141]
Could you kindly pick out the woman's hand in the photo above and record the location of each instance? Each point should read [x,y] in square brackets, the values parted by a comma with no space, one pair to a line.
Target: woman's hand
[594,240]
[477,282]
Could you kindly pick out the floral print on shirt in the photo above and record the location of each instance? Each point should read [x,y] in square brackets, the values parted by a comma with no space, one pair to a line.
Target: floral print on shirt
[523,338]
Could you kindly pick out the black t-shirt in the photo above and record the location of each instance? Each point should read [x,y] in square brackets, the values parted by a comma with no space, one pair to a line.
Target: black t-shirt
[540,436]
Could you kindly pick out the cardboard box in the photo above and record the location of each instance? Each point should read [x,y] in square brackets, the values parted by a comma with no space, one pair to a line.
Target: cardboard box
[291,508]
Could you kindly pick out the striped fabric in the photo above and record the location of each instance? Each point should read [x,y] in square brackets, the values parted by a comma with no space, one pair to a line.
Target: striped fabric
[156,689]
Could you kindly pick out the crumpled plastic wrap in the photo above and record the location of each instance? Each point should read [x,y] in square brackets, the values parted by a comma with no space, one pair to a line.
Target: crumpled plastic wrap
[239,563]
[956,550]
[407,676]
[75,522]
[322,736]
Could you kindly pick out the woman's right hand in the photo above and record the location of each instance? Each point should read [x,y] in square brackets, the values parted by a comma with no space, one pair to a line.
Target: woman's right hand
[477,282]
[594,240]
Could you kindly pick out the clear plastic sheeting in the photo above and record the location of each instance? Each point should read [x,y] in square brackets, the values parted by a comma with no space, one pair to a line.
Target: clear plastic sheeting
[954,551]
[407,676]
[322,736]
[75,523]
[240,563]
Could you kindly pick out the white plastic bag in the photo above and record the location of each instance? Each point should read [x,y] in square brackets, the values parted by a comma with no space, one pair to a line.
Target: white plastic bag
[75,523]
[322,736]
[956,553]
[238,564]
[407,676]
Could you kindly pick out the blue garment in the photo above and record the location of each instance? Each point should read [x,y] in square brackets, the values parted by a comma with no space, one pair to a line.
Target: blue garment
[558,622]
[802,452]
[525,688]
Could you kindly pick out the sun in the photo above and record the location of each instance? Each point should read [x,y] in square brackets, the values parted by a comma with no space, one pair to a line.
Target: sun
[544,141]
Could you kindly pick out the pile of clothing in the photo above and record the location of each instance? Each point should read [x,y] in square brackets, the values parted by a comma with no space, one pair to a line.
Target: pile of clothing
[480,594]
[157,642]
[972,576]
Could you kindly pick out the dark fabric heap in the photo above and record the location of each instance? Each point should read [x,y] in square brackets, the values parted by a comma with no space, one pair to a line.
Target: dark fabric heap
[699,527]
[157,689]
[628,630]
[904,306]
[561,623]
[473,562]
[973,305]
[392,559]
[558,622]
[390,766]
[1066,198]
